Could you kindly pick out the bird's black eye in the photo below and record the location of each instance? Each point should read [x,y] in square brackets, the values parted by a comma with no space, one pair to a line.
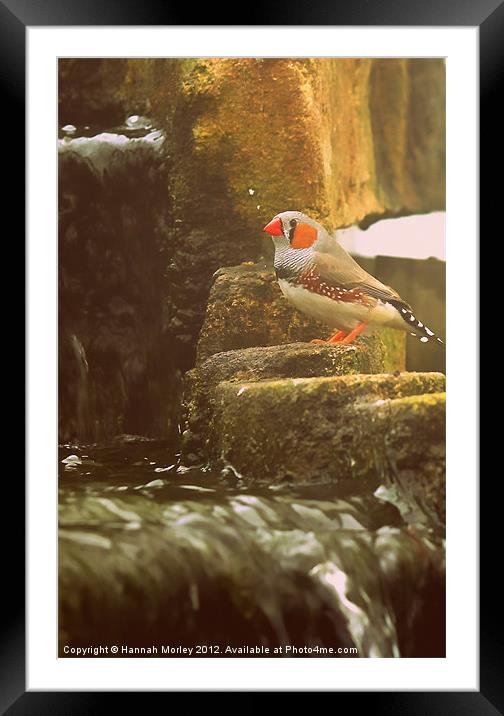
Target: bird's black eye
[292,224]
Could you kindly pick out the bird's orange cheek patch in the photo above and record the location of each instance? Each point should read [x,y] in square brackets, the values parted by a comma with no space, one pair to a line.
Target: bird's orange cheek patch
[304,236]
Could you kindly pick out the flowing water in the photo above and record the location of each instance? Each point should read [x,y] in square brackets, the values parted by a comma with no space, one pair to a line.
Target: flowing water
[158,555]
[117,358]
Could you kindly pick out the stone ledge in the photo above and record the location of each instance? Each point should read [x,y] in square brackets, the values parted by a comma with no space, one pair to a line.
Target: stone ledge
[372,428]
[296,360]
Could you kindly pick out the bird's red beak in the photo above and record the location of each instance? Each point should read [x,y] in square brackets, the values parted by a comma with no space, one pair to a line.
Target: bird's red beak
[274,227]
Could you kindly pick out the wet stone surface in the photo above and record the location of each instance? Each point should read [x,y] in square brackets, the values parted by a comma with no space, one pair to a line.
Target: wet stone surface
[353,428]
[155,554]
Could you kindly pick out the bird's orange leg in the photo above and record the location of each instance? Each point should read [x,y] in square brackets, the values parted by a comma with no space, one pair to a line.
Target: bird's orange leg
[336,338]
[353,334]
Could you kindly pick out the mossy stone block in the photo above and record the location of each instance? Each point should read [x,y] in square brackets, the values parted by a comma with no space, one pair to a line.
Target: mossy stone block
[332,429]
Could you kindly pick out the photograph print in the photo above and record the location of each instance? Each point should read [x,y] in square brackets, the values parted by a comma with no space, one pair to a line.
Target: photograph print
[251,347]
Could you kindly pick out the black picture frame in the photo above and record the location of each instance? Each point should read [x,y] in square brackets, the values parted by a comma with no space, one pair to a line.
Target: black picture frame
[15,17]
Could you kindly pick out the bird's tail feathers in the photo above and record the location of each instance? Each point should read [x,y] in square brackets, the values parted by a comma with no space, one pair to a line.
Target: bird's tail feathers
[417,328]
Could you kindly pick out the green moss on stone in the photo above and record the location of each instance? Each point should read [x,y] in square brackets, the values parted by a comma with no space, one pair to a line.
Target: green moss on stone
[294,360]
[395,349]
[333,429]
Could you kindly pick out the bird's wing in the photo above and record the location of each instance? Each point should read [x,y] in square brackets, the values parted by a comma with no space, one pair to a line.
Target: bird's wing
[338,269]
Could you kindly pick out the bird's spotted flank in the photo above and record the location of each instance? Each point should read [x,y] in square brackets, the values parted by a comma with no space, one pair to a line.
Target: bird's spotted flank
[311,280]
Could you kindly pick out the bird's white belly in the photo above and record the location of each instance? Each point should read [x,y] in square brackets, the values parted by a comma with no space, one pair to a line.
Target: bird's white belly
[336,314]
[340,314]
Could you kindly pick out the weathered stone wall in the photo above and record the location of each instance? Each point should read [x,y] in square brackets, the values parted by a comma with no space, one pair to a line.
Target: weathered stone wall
[382,133]
[344,139]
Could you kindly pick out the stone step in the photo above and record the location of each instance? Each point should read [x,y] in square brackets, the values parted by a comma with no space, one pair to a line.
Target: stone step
[295,360]
[381,429]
